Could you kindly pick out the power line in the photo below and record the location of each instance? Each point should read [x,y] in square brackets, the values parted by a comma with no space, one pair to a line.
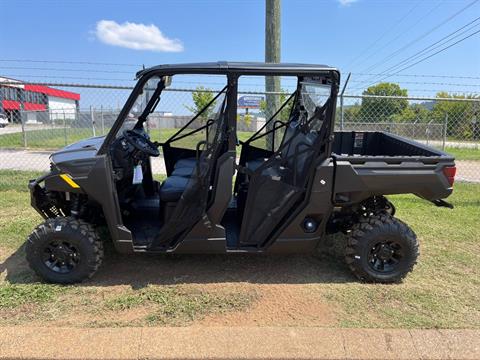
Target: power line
[69,62]
[432,47]
[383,35]
[422,76]
[66,70]
[427,83]
[395,53]
[64,77]
[401,34]
[428,57]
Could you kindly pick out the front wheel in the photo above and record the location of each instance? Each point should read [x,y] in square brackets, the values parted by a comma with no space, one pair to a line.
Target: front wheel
[381,249]
[64,250]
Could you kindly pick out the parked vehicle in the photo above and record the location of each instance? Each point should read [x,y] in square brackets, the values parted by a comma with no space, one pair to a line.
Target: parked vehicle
[286,197]
[3,120]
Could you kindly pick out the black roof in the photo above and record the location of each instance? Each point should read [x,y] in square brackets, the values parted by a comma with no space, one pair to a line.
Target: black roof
[241,68]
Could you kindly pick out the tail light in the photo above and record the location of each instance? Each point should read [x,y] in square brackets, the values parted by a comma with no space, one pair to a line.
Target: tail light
[449,172]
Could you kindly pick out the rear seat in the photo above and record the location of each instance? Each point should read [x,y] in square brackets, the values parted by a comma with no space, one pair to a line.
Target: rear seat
[187,162]
[289,151]
[184,167]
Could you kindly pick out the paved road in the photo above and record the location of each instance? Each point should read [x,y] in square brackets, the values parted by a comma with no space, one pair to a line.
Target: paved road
[456,144]
[12,129]
[236,343]
[39,161]
[467,170]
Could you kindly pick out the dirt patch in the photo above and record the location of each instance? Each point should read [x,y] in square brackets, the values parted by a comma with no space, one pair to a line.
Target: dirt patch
[279,305]
[213,290]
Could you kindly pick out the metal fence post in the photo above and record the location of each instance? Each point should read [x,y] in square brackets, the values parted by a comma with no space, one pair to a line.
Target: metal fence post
[24,132]
[427,131]
[445,125]
[64,128]
[414,128]
[92,117]
[341,112]
[103,121]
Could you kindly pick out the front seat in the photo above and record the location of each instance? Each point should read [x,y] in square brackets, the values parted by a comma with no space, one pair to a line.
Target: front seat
[173,188]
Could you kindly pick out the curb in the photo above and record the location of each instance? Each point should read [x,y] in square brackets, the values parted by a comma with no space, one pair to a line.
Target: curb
[236,343]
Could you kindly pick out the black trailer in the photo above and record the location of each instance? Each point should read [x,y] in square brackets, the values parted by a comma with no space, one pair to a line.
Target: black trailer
[285,198]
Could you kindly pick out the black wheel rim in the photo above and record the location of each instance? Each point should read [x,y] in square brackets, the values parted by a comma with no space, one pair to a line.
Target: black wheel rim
[385,256]
[61,257]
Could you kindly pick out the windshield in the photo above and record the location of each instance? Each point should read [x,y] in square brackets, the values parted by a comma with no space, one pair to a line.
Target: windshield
[145,96]
[140,104]
[314,94]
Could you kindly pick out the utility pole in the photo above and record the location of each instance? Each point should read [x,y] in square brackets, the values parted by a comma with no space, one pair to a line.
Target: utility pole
[272,55]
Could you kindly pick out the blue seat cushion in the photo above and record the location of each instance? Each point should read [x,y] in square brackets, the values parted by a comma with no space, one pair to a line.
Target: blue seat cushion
[173,188]
[183,171]
[255,163]
[187,162]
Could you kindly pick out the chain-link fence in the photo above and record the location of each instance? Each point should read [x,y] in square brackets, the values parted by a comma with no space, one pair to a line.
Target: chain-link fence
[31,128]
[451,124]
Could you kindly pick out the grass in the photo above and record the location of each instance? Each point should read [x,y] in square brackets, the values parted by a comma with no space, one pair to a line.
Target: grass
[15,295]
[24,299]
[179,305]
[16,180]
[45,139]
[443,291]
[52,139]
[464,153]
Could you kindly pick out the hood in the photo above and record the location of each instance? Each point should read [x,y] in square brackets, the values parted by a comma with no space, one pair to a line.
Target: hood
[83,149]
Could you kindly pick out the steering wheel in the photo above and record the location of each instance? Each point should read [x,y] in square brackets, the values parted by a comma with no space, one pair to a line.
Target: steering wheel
[141,143]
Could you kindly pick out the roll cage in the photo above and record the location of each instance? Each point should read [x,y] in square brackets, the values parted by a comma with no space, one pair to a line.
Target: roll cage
[233,70]
[266,197]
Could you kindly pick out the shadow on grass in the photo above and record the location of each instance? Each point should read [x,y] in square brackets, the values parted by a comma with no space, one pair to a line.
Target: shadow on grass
[140,270]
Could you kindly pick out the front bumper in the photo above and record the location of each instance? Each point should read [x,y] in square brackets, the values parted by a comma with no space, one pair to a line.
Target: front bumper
[39,198]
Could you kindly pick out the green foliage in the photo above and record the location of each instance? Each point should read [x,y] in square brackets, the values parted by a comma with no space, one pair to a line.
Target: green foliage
[381,109]
[412,113]
[460,115]
[247,118]
[351,113]
[201,97]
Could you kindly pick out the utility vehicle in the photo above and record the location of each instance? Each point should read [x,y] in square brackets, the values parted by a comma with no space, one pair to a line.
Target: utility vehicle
[281,198]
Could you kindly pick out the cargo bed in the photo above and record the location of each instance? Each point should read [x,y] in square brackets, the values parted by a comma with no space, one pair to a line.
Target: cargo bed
[370,163]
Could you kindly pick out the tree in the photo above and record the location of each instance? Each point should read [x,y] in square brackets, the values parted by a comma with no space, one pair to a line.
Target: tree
[201,97]
[462,116]
[381,109]
[350,113]
[413,113]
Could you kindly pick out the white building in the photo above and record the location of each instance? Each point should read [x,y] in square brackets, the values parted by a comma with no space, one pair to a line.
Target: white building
[36,102]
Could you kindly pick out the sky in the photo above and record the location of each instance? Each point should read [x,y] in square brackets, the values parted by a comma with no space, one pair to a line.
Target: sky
[358,36]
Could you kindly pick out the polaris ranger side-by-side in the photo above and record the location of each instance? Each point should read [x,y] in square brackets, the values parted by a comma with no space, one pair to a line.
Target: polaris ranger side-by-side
[308,182]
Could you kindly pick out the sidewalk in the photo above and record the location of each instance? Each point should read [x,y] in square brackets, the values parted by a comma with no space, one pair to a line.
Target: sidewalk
[236,343]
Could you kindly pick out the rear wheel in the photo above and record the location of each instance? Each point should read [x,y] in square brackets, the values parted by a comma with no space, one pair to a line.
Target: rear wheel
[381,249]
[64,250]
